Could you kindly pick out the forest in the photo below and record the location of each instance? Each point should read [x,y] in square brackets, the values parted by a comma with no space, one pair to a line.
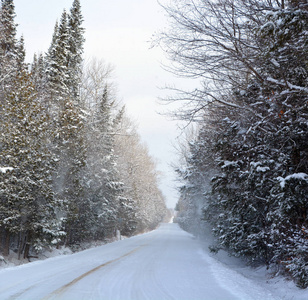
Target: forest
[73,169]
[244,167]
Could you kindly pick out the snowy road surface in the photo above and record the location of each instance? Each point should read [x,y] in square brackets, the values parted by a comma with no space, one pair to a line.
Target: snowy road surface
[167,263]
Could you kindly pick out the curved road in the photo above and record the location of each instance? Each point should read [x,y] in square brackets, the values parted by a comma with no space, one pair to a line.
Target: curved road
[167,263]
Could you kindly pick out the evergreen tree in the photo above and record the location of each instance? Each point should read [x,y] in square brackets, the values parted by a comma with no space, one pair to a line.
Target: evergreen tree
[56,59]
[8,44]
[38,77]
[76,41]
[28,207]
[64,57]
[104,187]
[21,55]
[69,148]
[8,29]
[63,62]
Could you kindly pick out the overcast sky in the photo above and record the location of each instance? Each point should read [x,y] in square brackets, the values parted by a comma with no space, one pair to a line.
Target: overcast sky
[119,32]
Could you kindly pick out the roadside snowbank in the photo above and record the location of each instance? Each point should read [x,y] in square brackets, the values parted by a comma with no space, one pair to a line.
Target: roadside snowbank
[228,268]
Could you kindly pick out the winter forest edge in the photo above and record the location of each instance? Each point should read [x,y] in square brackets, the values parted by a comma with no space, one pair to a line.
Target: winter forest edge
[72,167]
[243,168]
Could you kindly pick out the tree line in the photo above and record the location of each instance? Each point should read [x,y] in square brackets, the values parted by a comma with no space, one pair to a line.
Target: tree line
[244,169]
[72,166]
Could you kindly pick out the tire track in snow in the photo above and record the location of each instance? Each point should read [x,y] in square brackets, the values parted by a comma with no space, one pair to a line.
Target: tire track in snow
[20,293]
[15,296]
[62,289]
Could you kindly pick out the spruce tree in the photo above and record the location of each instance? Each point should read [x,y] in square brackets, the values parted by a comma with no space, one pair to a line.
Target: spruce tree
[104,188]
[8,44]
[69,147]
[38,77]
[56,60]
[28,206]
[21,55]
[63,59]
[76,40]
[8,29]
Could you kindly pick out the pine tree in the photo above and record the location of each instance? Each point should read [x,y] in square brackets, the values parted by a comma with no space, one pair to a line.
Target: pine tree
[104,187]
[8,44]
[76,41]
[56,60]
[69,147]
[21,55]
[8,29]
[62,61]
[64,57]
[38,77]
[28,207]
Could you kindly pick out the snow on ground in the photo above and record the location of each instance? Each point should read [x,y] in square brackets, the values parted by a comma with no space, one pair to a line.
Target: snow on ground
[236,274]
[167,263]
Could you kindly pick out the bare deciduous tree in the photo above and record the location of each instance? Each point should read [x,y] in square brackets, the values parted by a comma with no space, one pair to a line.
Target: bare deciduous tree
[217,42]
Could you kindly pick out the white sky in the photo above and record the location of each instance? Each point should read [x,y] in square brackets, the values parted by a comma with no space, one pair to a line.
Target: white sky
[118,31]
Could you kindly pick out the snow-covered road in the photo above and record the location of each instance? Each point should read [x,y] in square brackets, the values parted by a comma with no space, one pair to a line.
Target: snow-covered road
[167,263]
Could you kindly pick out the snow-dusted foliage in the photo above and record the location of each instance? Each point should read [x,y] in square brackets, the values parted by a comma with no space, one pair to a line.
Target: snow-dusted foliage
[252,106]
[60,182]
[28,206]
[75,43]
[143,207]
[103,186]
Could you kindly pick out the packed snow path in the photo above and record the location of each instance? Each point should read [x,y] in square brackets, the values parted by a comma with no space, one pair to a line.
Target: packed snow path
[167,263]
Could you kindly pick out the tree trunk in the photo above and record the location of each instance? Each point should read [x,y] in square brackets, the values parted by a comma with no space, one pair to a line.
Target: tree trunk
[68,235]
[22,243]
[1,239]
[6,248]
[27,245]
